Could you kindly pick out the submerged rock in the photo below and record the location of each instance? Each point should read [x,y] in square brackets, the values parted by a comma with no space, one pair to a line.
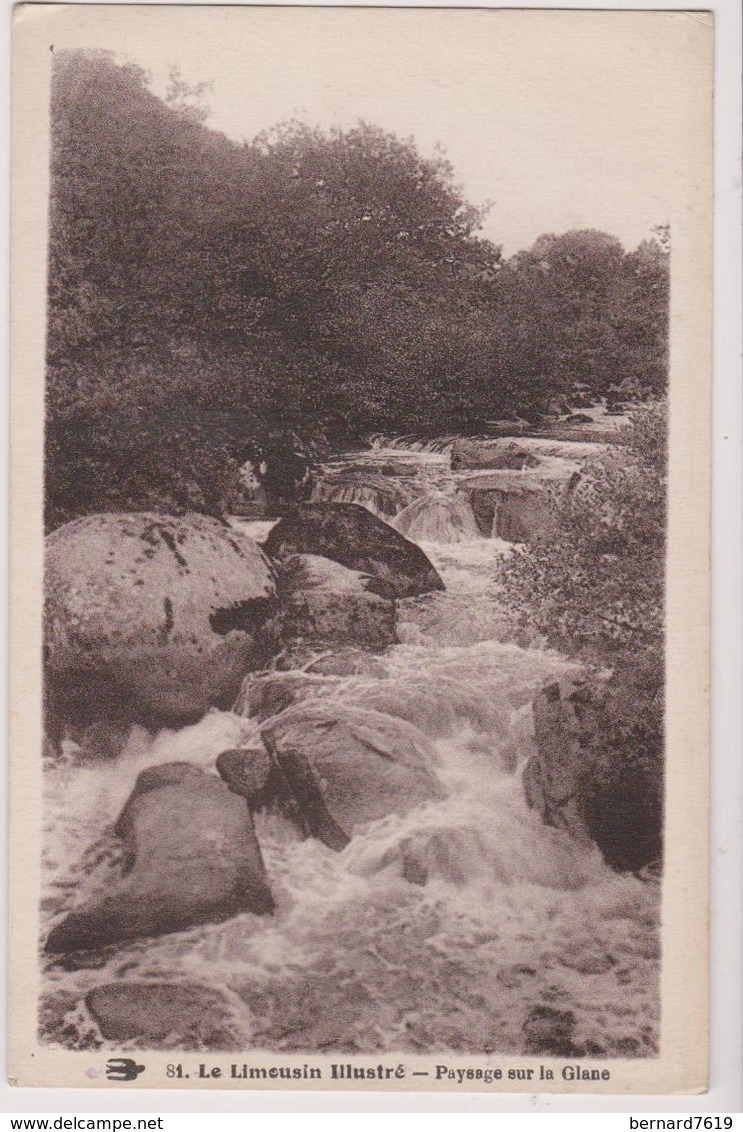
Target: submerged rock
[267,694]
[347,767]
[192,1017]
[549,1032]
[151,619]
[473,454]
[451,855]
[191,857]
[588,961]
[351,535]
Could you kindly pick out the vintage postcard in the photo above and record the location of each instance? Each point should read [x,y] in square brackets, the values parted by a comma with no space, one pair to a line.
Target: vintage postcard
[360,550]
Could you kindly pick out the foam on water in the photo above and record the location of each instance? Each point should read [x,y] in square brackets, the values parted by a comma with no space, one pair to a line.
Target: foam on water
[438,446]
[257,529]
[437,517]
[361,955]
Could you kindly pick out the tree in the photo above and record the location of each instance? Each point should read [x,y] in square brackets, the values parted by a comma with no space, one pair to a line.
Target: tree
[577,310]
[324,283]
[641,316]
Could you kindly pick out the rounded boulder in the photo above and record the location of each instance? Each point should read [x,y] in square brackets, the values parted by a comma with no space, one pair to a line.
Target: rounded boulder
[191,856]
[151,618]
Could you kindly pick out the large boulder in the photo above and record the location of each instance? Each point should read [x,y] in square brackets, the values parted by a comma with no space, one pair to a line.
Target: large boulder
[598,768]
[150,618]
[499,454]
[347,767]
[351,535]
[326,619]
[191,857]
[324,604]
[186,1015]
[553,777]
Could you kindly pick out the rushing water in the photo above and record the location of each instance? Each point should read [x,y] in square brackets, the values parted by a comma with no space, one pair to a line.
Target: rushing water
[515,921]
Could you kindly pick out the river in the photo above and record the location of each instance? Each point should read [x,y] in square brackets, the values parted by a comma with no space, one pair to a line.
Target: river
[516,923]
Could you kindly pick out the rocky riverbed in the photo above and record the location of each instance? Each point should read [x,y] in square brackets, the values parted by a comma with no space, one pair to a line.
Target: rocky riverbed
[405,897]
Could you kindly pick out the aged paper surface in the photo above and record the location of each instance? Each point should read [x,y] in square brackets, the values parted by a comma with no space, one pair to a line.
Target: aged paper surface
[346,769]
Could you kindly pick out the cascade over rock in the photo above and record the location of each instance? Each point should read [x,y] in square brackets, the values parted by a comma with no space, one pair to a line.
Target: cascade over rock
[513,506]
[351,535]
[368,777]
[347,767]
[347,662]
[191,857]
[377,492]
[150,618]
[267,694]
[438,517]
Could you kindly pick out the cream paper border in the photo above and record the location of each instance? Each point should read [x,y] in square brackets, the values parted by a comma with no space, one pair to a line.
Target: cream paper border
[682,1066]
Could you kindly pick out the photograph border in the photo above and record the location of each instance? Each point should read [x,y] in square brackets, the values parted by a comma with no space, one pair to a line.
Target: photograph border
[689,430]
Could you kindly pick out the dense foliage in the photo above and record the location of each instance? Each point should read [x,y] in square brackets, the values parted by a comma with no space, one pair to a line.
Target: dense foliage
[599,581]
[207,296]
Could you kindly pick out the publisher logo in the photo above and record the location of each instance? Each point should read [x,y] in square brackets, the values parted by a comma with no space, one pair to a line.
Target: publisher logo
[123,1069]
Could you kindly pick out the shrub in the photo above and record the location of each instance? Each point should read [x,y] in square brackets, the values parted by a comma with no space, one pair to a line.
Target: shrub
[600,581]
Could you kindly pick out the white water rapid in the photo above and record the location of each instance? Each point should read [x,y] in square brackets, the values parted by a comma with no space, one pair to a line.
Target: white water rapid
[514,919]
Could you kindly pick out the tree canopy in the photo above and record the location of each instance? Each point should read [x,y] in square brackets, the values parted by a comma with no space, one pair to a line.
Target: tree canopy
[334,283]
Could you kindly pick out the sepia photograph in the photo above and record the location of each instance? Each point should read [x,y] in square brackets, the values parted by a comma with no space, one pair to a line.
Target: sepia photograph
[360,594]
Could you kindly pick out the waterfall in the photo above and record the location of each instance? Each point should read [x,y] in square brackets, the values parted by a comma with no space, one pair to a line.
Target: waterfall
[437,517]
